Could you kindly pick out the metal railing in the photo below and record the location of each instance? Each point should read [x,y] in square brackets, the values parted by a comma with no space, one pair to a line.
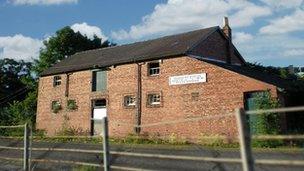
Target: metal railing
[26,152]
[246,160]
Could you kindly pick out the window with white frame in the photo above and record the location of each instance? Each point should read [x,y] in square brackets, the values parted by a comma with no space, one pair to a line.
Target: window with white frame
[129,101]
[153,68]
[56,80]
[154,99]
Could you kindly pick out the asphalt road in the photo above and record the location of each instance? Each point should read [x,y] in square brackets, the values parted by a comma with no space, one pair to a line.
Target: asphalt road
[142,162]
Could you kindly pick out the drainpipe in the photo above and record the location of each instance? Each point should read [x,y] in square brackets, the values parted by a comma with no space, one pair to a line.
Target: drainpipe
[67,84]
[138,100]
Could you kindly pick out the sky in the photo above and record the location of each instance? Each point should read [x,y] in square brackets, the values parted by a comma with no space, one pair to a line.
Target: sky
[269,32]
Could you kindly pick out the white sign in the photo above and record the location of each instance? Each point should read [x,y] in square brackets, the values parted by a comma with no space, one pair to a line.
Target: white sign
[188,79]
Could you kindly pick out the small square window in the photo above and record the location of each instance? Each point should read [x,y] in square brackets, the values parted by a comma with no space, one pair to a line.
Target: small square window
[129,101]
[194,96]
[71,104]
[154,99]
[153,68]
[56,80]
[56,106]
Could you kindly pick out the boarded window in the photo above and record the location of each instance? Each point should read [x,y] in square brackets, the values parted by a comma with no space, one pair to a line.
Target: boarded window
[99,81]
[194,96]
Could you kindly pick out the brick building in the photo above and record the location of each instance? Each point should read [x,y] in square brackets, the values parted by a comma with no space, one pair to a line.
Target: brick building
[182,76]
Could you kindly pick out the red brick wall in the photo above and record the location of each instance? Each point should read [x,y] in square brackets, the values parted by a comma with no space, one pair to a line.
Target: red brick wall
[221,94]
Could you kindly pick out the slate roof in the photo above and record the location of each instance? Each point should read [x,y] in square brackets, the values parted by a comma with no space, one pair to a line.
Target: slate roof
[255,74]
[167,46]
[164,47]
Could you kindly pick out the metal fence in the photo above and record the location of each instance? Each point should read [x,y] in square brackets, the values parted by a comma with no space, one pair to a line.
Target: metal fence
[26,149]
[246,160]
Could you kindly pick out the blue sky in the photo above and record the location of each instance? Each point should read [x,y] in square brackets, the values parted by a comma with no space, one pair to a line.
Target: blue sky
[270,32]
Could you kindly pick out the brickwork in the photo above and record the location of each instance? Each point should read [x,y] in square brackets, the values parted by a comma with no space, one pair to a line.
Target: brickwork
[221,94]
[219,50]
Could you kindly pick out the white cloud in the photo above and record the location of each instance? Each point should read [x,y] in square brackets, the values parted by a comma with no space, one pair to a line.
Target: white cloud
[289,23]
[20,47]
[247,15]
[88,30]
[273,49]
[284,3]
[181,15]
[294,52]
[42,2]
[241,37]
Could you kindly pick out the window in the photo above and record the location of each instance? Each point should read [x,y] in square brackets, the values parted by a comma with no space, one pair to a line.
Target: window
[99,81]
[71,104]
[56,106]
[154,99]
[129,101]
[194,96]
[153,68]
[56,80]
[100,103]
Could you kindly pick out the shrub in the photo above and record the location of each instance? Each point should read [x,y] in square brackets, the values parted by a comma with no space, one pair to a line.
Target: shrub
[56,106]
[71,105]
[266,123]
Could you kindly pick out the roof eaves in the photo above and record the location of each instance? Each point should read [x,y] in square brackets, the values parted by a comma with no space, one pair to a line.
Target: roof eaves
[255,74]
[135,60]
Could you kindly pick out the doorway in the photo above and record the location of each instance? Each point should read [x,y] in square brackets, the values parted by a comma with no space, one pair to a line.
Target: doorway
[250,103]
[99,111]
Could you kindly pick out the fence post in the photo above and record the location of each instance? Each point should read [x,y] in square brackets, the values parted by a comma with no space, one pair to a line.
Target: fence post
[244,140]
[26,148]
[105,143]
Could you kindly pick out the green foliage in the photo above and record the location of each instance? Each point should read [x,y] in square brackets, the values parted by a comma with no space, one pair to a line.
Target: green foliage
[281,72]
[18,75]
[71,105]
[85,168]
[63,44]
[12,80]
[18,113]
[143,139]
[71,131]
[56,106]
[266,123]
[296,82]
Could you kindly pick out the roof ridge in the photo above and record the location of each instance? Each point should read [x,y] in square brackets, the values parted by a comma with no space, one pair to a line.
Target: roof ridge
[178,34]
[166,46]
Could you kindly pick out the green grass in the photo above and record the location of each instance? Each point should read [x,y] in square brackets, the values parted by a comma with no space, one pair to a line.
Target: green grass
[171,142]
[85,168]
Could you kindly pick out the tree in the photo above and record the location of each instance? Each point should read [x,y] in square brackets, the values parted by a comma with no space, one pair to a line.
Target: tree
[12,79]
[64,44]
[296,82]
[266,123]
